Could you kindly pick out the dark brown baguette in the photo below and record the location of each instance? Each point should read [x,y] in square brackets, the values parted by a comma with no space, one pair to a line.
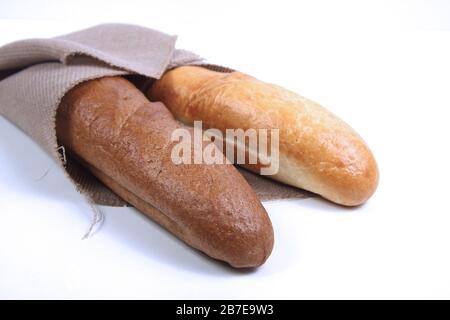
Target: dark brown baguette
[125,141]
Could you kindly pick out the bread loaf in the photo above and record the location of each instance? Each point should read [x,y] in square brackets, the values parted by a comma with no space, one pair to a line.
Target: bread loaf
[125,141]
[317,151]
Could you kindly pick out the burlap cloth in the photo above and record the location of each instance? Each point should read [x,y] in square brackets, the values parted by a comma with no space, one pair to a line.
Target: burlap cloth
[36,73]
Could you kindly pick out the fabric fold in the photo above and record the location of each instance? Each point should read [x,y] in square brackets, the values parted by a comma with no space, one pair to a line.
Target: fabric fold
[132,48]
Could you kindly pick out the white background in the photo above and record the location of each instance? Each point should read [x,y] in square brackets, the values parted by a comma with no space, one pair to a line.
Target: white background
[383,66]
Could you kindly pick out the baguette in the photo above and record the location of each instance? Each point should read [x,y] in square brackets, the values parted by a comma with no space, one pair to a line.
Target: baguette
[318,152]
[125,141]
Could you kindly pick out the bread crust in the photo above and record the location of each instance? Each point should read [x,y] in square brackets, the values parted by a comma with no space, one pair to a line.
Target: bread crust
[318,151]
[126,142]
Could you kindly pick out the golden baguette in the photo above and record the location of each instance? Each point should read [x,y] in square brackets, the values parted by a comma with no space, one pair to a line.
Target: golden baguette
[318,151]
